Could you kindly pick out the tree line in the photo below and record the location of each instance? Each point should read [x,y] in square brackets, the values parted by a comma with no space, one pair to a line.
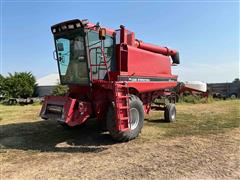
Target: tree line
[23,85]
[17,85]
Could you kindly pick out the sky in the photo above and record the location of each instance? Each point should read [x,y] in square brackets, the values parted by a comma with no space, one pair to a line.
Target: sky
[205,33]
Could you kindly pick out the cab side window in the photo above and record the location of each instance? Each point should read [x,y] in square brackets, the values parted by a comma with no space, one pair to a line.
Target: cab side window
[99,72]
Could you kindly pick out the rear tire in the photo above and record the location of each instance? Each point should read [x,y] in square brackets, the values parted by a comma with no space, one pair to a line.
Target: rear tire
[170,113]
[136,120]
[233,96]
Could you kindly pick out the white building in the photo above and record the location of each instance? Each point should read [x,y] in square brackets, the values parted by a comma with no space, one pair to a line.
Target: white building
[46,84]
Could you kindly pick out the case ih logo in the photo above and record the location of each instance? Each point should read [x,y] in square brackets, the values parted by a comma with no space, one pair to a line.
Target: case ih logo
[144,79]
[138,79]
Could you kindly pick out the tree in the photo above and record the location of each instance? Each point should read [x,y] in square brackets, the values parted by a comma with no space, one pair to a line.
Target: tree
[60,90]
[19,85]
[2,85]
[236,80]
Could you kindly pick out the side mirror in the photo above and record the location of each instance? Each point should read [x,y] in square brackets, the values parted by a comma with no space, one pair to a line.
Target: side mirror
[55,55]
[176,58]
[60,47]
[102,33]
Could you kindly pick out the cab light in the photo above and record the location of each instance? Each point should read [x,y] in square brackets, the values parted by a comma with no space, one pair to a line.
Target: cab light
[78,25]
[64,27]
[70,26]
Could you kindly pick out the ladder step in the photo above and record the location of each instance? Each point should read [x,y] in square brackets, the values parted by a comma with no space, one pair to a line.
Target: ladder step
[122,97]
[124,118]
[97,65]
[124,107]
[121,86]
[121,91]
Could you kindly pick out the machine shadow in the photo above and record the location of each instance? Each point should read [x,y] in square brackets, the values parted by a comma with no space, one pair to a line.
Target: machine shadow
[156,120]
[49,136]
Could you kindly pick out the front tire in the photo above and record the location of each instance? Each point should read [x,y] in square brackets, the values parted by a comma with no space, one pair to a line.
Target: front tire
[136,120]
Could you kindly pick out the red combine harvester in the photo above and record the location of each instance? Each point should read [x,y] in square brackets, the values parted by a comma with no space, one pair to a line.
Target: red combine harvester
[111,76]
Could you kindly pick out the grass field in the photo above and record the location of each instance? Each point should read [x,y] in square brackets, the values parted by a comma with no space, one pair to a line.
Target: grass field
[202,143]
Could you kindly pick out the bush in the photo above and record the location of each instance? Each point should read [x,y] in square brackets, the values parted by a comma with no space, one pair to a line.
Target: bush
[195,99]
[189,99]
[18,85]
[1,86]
[60,90]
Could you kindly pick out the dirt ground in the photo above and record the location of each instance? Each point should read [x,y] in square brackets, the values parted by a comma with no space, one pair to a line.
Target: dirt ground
[203,144]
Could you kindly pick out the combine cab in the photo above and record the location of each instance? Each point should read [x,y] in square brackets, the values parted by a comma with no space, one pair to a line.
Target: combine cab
[111,76]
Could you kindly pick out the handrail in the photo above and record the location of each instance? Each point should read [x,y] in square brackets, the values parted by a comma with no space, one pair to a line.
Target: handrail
[95,65]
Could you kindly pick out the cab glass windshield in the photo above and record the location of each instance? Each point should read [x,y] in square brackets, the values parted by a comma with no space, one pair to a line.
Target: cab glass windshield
[72,59]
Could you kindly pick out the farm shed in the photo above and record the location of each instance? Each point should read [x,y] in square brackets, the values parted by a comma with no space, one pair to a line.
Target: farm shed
[46,84]
[225,90]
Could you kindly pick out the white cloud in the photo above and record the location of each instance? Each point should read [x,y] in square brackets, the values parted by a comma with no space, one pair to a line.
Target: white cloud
[218,72]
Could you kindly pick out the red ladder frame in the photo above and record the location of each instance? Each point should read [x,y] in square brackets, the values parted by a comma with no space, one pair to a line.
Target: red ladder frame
[122,122]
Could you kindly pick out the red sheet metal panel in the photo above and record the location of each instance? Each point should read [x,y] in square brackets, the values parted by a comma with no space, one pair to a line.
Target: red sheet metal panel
[142,62]
[151,86]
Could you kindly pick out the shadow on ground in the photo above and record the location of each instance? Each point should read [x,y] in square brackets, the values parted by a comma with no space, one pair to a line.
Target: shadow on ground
[49,136]
[156,120]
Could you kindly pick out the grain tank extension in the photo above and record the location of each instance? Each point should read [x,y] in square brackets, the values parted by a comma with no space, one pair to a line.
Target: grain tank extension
[112,76]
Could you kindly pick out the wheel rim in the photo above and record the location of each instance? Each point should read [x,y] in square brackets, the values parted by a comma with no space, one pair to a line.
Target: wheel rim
[173,115]
[233,96]
[134,118]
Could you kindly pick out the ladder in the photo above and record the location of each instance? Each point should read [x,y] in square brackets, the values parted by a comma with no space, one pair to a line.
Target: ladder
[121,100]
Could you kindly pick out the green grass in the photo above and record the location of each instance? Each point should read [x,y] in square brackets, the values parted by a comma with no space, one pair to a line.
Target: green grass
[21,128]
[199,119]
[18,114]
[196,99]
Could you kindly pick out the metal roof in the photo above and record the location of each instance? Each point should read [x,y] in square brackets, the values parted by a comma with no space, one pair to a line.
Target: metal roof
[49,80]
